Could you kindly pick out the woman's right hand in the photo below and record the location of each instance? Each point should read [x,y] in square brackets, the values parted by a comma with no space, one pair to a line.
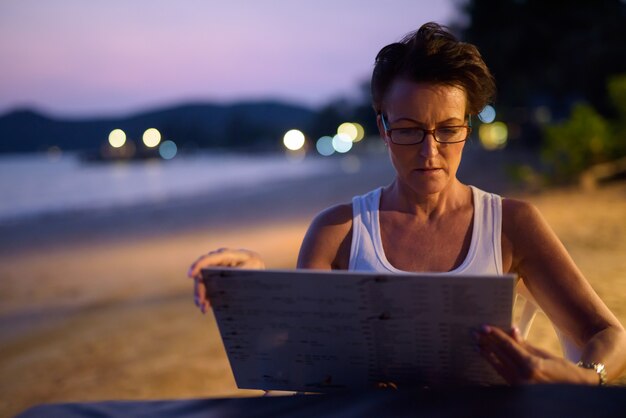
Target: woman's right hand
[224,257]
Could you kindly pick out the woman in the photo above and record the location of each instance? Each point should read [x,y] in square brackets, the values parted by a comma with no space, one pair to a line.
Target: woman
[425,90]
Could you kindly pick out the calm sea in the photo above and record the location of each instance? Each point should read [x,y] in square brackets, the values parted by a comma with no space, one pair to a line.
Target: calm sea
[39,184]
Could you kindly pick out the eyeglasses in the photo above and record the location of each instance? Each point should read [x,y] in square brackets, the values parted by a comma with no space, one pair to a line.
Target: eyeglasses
[415,135]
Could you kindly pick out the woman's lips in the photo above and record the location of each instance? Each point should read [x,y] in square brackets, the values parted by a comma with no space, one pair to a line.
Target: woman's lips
[427,170]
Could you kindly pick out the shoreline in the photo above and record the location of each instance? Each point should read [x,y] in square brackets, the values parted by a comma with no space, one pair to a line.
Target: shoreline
[240,205]
[280,200]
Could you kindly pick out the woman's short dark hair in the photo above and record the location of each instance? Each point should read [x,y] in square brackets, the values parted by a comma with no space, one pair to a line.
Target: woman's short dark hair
[433,55]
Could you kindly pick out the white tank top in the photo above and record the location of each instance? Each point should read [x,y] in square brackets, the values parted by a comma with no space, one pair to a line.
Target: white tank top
[485,251]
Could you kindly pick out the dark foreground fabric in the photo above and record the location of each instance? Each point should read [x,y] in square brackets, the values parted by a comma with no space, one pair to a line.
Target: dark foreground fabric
[529,401]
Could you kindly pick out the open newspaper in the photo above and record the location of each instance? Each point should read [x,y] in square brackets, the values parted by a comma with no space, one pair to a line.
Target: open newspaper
[315,331]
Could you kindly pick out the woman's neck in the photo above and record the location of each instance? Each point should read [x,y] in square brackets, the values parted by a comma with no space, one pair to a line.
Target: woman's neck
[402,198]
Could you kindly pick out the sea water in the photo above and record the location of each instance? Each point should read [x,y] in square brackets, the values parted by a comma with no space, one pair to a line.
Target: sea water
[38,184]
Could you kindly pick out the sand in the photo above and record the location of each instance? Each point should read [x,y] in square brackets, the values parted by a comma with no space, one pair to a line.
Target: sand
[110,316]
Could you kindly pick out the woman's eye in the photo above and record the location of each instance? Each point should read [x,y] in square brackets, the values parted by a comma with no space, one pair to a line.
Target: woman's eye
[407,131]
[448,130]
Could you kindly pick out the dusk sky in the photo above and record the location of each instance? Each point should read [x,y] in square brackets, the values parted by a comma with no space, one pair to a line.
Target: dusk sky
[110,57]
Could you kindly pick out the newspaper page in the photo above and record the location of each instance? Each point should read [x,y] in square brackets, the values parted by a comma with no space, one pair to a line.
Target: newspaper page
[316,331]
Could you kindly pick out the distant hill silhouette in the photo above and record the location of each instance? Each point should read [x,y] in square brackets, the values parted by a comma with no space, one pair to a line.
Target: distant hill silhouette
[251,125]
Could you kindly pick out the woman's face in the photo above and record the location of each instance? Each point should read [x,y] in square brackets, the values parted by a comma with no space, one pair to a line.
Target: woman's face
[428,167]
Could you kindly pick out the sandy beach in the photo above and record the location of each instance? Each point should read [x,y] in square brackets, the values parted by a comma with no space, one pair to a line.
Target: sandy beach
[97,306]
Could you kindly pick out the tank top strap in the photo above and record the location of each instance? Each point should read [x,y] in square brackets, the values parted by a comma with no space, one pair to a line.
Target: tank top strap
[485,255]
[363,250]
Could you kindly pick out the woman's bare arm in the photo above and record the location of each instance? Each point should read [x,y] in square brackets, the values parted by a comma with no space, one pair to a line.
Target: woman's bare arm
[561,290]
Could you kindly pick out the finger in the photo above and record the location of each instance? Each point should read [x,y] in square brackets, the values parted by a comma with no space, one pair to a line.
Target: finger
[196,293]
[513,356]
[505,372]
[505,343]
[198,264]
[536,351]
[253,261]
[222,257]
[530,362]
[516,334]
[200,295]
[193,270]
[205,306]
[213,258]
[499,360]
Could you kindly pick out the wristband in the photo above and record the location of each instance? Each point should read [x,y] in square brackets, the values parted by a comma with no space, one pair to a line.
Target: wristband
[598,368]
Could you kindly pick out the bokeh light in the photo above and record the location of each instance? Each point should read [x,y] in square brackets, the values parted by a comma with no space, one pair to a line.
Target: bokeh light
[360,132]
[151,137]
[168,150]
[348,129]
[117,138]
[293,140]
[494,135]
[488,114]
[324,146]
[342,143]
[353,130]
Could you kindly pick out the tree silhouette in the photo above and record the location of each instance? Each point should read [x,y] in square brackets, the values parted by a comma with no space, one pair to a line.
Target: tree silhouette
[550,53]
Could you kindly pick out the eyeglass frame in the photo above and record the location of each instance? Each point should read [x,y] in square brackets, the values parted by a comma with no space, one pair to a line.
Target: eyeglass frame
[428,131]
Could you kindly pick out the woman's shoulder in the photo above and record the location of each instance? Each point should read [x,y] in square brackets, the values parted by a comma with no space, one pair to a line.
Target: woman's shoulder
[336,216]
[523,230]
[341,215]
[519,213]
[328,239]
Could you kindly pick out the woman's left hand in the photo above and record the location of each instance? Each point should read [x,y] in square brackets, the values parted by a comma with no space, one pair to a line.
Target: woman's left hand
[520,363]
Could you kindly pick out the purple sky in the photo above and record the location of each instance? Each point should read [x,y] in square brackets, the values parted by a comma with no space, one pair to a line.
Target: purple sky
[80,58]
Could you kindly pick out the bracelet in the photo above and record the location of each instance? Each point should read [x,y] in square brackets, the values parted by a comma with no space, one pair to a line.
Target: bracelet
[598,368]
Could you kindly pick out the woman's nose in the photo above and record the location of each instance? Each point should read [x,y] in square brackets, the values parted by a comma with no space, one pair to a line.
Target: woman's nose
[429,146]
